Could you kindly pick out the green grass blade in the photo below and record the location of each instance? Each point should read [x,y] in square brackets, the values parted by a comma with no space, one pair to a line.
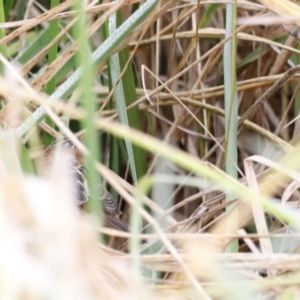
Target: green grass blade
[125,95]
[88,101]
[231,102]
[208,15]
[3,48]
[7,7]
[52,55]
[34,47]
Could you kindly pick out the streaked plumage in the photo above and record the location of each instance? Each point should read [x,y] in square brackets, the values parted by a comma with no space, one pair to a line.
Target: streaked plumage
[112,211]
[116,223]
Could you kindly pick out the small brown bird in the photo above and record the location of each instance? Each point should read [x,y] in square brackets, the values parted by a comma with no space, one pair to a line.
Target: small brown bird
[111,209]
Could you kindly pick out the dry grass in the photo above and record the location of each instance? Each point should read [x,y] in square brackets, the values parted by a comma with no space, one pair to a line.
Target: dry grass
[49,249]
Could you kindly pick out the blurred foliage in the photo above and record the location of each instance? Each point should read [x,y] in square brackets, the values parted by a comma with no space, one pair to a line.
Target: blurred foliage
[151,113]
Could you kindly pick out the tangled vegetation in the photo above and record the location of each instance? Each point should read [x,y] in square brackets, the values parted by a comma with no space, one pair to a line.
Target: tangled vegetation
[188,112]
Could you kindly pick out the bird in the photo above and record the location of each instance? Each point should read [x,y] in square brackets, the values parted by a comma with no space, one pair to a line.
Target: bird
[112,212]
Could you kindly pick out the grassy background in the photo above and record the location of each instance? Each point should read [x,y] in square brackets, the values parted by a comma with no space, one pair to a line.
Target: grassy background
[184,110]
